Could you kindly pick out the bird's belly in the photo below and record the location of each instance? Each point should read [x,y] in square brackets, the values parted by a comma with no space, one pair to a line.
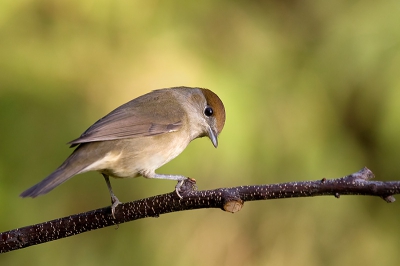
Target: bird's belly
[132,161]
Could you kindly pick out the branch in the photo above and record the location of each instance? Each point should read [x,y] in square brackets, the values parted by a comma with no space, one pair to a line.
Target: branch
[228,199]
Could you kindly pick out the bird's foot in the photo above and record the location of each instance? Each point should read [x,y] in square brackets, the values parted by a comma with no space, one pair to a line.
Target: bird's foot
[183,187]
[115,202]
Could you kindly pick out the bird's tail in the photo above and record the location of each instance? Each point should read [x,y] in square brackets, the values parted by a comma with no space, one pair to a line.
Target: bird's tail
[67,170]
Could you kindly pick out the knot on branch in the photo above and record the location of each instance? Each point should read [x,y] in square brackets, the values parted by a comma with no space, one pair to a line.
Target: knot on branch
[389,199]
[361,176]
[231,201]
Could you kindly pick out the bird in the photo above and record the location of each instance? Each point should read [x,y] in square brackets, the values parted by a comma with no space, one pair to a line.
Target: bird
[139,137]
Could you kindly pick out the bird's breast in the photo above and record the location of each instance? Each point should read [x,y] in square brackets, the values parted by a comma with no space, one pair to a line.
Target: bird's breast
[130,157]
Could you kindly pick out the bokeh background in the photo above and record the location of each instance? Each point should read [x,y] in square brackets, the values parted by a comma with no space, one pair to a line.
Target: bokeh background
[311,90]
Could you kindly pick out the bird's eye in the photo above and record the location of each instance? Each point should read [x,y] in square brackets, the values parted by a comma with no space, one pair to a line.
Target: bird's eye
[208,111]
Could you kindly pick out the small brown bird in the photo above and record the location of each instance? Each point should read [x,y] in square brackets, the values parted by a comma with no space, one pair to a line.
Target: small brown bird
[140,136]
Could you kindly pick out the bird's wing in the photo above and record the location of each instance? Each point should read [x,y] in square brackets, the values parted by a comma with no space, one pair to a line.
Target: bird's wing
[148,115]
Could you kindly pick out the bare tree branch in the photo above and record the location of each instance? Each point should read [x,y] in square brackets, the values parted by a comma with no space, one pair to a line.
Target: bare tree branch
[228,199]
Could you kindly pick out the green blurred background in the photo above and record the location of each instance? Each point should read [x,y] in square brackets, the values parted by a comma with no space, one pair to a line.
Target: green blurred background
[311,90]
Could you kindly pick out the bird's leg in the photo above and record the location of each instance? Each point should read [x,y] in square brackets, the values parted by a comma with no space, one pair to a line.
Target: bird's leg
[114,200]
[178,178]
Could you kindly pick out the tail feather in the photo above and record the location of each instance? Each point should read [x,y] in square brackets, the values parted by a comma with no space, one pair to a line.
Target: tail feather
[53,180]
[67,170]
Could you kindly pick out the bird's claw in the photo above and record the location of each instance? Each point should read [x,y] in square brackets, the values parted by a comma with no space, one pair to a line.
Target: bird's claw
[115,202]
[181,183]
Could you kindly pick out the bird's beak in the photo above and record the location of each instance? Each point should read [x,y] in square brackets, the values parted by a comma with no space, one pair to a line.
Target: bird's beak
[213,137]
